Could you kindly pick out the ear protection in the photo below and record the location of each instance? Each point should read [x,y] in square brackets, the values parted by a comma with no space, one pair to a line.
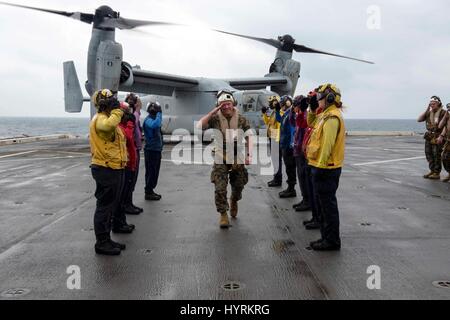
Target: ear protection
[225,95]
[331,93]
[331,97]
[131,98]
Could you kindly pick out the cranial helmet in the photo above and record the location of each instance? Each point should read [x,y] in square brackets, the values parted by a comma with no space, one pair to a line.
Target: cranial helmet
[225,96]
[330,92]
[101,95]
[298,100]
[153,106]
[274,98]
[437,99]
[285,99]
[131,98]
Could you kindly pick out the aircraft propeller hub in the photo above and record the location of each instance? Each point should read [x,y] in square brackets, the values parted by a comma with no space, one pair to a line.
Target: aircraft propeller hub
[106,12]
[102,13]
[286,39]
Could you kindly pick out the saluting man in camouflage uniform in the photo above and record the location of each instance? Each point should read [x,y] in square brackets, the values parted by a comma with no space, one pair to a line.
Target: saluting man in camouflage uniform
[444,139]
[229,158]
[433,116]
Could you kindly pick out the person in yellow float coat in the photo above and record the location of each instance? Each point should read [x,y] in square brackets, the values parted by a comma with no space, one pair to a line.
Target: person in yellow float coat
[273,133]
[109,158]
[325,155]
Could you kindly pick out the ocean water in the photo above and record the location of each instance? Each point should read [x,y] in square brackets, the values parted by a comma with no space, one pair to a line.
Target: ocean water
[11,127]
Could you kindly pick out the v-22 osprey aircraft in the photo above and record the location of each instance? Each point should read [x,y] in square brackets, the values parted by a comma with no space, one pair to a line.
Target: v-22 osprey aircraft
[183,99]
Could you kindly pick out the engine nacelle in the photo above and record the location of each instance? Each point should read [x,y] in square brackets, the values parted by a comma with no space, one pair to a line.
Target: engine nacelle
[126,75]
[109,65]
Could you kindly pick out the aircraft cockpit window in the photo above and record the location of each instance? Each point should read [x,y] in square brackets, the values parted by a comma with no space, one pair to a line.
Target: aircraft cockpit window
[249,104]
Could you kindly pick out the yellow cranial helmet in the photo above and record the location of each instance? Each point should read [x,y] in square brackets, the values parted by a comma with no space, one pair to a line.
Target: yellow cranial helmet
[274,98]
[103,94]
[330,92]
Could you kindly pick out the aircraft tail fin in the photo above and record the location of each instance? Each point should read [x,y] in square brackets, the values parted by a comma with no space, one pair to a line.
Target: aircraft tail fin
[73,97]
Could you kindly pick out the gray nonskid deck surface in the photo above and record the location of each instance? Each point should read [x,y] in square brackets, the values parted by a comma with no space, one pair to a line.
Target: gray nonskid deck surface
[178,251]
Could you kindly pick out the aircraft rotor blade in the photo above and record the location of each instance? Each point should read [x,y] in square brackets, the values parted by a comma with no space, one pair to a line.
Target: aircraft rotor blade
[270,42]
[304,49]
[84,17]
[127,24]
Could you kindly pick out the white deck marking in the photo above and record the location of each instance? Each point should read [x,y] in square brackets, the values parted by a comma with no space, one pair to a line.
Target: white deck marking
[72,152]
[42,159]
[387,161]
[17,154]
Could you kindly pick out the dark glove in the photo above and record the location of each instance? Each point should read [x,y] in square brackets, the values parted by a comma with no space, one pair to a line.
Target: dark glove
[304,104]
[114,103]
[126,117]
[131,117]
[313,103]
[264,110]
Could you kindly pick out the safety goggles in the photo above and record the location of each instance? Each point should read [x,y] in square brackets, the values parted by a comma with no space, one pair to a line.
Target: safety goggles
[435,99]
[221,92]
[321,95]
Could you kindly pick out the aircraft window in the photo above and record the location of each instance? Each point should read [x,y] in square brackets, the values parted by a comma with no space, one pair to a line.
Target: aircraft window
[167,107]
[248,107]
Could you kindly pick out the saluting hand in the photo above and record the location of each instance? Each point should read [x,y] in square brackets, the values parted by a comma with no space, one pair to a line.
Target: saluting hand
[215,110]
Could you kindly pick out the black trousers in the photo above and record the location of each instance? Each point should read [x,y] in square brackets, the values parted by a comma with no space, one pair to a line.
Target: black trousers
[311,194]
[291,168]
[119,217]
[326,183]
[152,167]
[278,176]
[108,187]
[129,196]
[302,175]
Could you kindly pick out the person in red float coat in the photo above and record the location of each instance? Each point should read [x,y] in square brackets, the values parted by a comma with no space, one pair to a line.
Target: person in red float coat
[127,126]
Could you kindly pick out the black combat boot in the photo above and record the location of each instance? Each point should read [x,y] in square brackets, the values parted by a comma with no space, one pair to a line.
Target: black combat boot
[288,193]
[137,208]
[313,225]
[152,196]
[297,204]
[121,246]
[325,246]
[315,242]
[127,229]
[302,206]
[132,210]
[105,247]
[274,183]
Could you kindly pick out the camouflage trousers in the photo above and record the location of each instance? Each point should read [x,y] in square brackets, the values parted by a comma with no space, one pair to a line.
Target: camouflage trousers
[238,177]
[434,156]
[446,157]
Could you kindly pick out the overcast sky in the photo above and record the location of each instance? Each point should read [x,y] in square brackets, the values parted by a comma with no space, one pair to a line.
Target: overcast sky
[411,49]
